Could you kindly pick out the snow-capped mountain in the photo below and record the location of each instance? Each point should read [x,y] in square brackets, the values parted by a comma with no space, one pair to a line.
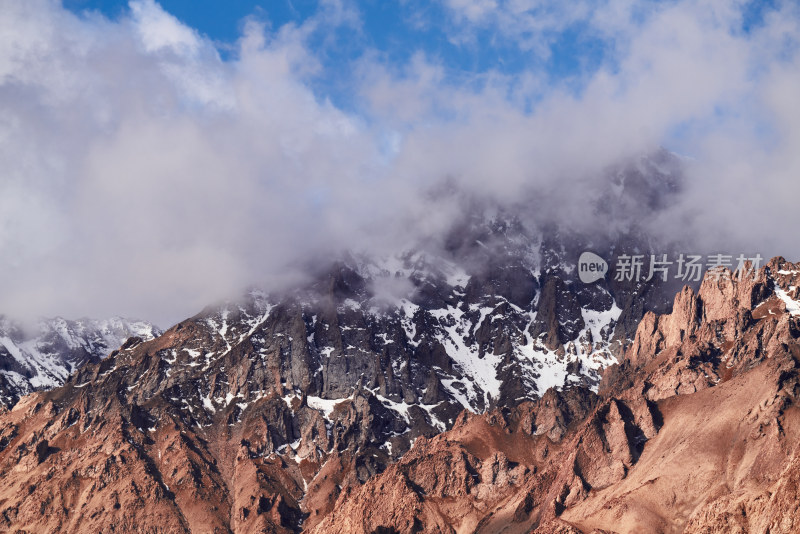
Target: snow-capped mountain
[373,353]
[492,315]
[294,417]
[318,388]
[42,356]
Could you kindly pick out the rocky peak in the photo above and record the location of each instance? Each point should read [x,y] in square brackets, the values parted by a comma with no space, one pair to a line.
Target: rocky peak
[573,462]
[731,323]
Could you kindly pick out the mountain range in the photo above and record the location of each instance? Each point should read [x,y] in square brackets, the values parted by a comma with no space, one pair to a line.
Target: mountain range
[474,385]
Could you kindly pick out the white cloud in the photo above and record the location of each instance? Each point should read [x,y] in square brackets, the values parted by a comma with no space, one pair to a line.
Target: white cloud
[143,175]
[158,30]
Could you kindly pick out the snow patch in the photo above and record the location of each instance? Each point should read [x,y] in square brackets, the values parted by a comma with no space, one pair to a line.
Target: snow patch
[325,406]
[792,306]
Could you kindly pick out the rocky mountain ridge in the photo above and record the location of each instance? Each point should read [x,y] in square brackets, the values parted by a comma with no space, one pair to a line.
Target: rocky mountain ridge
[327,386]
[125,443]
[178,444]
[501,286]
[42,356]
[695,431]
[270,412]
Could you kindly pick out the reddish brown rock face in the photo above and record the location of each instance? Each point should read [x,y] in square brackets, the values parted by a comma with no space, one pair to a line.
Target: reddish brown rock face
[698,433]
[696,430]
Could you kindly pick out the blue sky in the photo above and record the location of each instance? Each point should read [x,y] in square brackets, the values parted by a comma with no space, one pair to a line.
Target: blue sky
[394,30]
[215,144]
[461,36]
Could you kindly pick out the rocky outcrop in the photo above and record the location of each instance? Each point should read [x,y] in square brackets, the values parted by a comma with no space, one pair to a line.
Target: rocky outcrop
[558,315]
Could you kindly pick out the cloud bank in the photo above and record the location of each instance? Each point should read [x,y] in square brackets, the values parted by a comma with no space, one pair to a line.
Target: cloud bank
[141,174]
